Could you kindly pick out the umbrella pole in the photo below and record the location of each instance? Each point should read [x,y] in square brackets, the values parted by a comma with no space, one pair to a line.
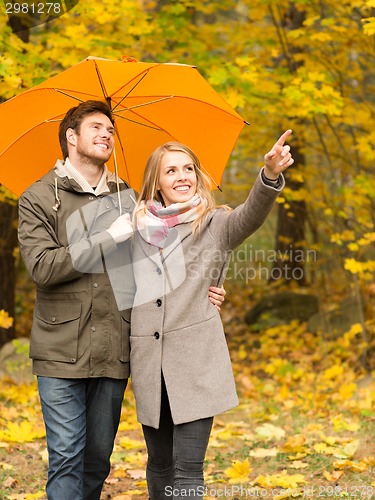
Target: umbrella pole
[117,181]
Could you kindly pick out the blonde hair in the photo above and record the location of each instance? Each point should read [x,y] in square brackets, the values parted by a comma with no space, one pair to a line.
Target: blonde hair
[151,175]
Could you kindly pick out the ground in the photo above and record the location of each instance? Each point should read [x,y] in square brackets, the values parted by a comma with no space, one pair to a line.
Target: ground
[304,428]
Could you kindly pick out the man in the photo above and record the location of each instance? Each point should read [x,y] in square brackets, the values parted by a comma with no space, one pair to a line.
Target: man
[71,235]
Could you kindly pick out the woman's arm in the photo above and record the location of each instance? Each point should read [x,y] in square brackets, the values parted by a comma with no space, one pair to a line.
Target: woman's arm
[248,217]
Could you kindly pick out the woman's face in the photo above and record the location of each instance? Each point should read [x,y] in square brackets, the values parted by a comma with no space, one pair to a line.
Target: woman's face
[177,178]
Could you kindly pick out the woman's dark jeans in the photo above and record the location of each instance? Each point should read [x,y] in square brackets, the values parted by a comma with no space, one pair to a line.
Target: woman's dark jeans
[175,456]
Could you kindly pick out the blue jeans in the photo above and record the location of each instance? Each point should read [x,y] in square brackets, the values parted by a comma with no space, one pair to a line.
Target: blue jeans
[176,456]
[81,418]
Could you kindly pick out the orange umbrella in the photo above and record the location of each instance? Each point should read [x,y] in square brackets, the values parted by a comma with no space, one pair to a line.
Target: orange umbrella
[152,103]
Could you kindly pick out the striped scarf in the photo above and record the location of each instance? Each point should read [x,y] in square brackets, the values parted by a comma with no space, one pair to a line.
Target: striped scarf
[154,221]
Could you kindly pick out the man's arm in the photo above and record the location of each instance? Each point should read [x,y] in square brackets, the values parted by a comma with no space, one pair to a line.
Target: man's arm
[46,260]
[51,261]
[216,296]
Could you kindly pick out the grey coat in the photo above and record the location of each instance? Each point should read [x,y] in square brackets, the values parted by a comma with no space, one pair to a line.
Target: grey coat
[78,330]
[175,329]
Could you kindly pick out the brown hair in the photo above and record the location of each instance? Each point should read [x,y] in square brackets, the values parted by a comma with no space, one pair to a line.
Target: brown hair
[75,116]
[149,189]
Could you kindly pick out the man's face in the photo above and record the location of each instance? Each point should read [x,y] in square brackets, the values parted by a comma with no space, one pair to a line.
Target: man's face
[95,140]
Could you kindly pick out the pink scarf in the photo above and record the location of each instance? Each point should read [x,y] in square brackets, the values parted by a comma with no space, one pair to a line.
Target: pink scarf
[154,221]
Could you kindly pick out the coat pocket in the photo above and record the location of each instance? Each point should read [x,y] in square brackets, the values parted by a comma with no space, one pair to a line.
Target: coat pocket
[54,335]
[124,354]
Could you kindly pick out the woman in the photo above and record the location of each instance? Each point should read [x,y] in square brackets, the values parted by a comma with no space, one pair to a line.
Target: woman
[181,369]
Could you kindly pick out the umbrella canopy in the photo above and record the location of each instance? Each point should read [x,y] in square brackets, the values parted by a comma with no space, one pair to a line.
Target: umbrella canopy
[152,103]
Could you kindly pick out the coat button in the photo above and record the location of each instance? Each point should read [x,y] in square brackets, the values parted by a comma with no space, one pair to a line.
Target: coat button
[53,318]
[93,329]
[157,335]
[158,270]
[95,285]
[159,302]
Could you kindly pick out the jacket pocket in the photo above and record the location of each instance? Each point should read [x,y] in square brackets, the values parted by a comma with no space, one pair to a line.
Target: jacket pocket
[54,335]
[124,355]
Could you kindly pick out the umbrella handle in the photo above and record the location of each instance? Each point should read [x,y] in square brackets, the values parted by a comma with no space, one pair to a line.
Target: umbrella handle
[117,181]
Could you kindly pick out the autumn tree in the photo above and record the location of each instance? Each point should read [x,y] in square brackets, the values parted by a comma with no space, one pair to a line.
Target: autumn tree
[301,65]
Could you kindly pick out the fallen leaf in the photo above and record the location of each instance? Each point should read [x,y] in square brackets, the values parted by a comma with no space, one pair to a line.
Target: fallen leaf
[264,452]
[283,480]
[10,482]
[131,444]
[5,466]
[298,464]
[298,456]
[348,450]
[270,431]
[333,476]
[239,472]
[137,473]
[295,444]
[111,480]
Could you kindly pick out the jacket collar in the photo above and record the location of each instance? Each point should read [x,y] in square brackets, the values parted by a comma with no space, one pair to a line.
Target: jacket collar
[74,179]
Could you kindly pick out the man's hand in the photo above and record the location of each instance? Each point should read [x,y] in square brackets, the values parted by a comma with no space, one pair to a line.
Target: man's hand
[279,158]
[216,296]
[121,229]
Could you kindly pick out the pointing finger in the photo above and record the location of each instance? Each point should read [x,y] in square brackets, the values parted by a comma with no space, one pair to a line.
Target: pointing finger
[283,137]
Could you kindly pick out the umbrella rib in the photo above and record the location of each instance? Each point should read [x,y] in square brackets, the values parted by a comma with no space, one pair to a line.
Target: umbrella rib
[215,106]
[138,123]
[143,104]
[68,95]
[131,90]
[105,94]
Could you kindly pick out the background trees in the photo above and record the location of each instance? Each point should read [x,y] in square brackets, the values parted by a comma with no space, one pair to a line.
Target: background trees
[305,65]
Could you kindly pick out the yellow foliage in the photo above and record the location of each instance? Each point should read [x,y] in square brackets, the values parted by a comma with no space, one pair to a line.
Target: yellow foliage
[347,391]
[346,235]
[332,476]
[269,431]
[333,372]
[348,450]
[295,444]
[5,320]
[24,432]
[340,424]
[131,444]
[298,464]
[356,267]
[282,480]
[39,494]
[239,472]
[18,393]
[324,448]
[369,26]
[264,452]
[5,466]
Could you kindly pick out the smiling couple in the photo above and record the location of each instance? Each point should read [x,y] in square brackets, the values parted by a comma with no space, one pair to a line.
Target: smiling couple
[75,247]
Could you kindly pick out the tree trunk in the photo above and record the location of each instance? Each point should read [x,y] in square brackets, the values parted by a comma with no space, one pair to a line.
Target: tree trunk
[290,236]
[8,242]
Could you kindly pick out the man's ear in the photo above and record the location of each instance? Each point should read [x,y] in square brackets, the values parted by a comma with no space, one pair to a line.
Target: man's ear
[71,136]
